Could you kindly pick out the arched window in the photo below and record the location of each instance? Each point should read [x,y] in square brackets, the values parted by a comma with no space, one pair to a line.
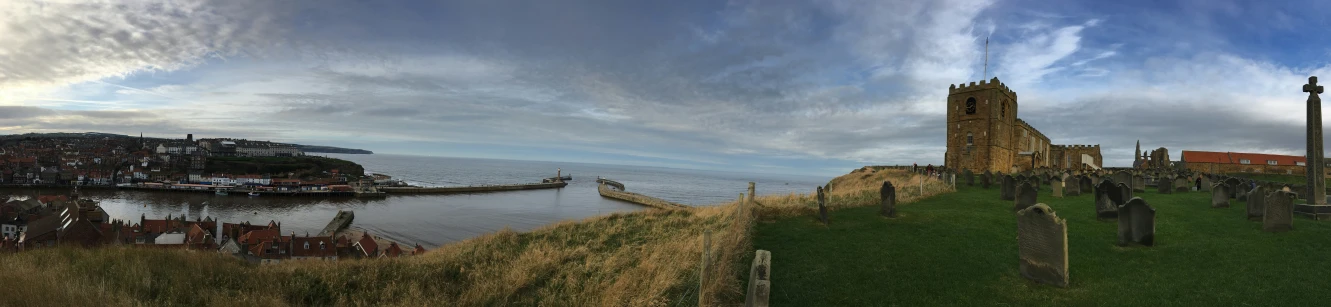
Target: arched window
[970,105]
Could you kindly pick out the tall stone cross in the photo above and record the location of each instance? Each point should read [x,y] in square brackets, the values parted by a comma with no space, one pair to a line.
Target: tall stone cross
[1316,177]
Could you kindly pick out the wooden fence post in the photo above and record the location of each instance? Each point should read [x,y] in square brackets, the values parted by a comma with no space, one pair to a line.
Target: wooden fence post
[702,270]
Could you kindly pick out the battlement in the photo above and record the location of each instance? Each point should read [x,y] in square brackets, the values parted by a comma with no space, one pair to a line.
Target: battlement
[990,84]
[1032,128]
[1096,146]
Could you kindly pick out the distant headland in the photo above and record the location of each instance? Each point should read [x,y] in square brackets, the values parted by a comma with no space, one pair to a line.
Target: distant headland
[302,148]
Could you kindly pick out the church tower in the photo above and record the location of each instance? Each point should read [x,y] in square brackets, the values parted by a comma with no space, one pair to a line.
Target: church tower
[981,120]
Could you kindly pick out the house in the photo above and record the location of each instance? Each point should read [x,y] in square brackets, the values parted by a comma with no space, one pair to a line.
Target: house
[323,248]
[419,250]
[366,246]
[393,251]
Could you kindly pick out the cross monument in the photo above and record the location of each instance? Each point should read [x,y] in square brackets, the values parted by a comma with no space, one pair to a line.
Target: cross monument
[1316,176]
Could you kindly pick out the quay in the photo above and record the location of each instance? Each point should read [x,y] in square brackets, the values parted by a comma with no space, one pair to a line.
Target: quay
[340,221]
[615,190]
[473,189]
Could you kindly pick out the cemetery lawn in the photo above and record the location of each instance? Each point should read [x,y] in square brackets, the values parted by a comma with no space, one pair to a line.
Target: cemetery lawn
[961,249]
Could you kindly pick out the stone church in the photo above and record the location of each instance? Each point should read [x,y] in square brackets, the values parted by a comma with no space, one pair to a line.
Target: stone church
[984,133]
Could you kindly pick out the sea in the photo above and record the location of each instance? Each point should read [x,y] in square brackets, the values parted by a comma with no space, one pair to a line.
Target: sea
[435,220]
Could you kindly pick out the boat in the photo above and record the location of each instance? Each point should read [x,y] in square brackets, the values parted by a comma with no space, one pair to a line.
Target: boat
[254,194]
[221,192]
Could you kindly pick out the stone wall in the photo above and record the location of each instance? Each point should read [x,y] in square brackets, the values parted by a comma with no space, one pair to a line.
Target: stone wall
[1228,168]
[1070,156]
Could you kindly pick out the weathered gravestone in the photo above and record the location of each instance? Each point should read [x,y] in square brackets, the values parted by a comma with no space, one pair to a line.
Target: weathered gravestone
[1019,178]
[1071,186]
[1139,184]
[969,177]
[1279,213]
[1035,182]
[1206,184]
[1087,186]
[1125,191]
[1008,190]
[888,199]
[1136,223]
[1105,195]
[1058,189]
[1026,195]
[1243,190]
[986,179]
[1042,245]
[1233,187]
[1220,196]
[1164,186]
[1123,177]
[1182,184]
[822,206]
[1256,200]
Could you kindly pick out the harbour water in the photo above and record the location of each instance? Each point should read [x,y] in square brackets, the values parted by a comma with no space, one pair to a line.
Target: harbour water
[433,220]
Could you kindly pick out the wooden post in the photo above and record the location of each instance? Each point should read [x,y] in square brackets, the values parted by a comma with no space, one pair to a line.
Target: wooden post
[702,270]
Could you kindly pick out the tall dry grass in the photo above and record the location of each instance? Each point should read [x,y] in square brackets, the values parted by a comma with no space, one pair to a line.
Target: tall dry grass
[858,188]
[649,258]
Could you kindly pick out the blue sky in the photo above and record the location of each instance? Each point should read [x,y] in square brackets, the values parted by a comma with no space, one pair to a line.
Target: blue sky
[809,87]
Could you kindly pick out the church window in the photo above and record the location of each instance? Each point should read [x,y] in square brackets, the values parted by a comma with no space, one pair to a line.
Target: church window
[970,105]
[1003,114]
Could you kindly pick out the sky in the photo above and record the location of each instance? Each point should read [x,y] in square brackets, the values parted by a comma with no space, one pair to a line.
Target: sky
[798,87]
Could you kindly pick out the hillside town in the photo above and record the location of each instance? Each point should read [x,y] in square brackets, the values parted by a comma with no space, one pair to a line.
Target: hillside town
[105,160]
[58,220]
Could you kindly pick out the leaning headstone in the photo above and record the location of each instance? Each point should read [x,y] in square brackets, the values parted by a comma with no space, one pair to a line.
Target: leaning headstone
[986,179]
[1042,245]
[1026,195]
[1071,186]
[1008,190]
[969,177]
[1136,223]
[1220,196]
[1057,186]
[822,206]
[1206,184]
[1279,213]
[1256,200]
[1105,193]
[888,199]
[1182,184]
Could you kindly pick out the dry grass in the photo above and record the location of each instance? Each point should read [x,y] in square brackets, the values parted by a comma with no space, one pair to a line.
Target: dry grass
[857,189]
[634,259]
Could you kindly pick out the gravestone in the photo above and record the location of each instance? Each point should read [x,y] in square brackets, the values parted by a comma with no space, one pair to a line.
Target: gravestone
[1256,198]
[1087,186]
[1008,190]
[1105,194]
[1026,195]
[1182,184]
[1206,184]
[969,177]
[1020,178]
[1139,184]
[1058,189]
[1125,191]
[986,179]
[1035,182]
[1233,187]
[888,199]
[1123,177]
[1314,169]
[1279,211]
[1164,186]
[1136,223]
[822,206]
[1042,245]
[1220,196]
[1071,186]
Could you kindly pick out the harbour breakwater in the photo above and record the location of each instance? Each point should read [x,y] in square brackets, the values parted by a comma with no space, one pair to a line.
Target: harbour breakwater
[473,189]
[613,189]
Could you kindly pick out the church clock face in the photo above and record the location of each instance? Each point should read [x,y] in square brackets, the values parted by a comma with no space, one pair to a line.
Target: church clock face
[970,106]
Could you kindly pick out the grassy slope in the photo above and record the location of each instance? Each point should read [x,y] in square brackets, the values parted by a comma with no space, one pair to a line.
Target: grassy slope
[302,166]
[960,249]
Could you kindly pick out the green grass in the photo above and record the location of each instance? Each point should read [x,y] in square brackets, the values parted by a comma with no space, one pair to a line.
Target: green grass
[960,249]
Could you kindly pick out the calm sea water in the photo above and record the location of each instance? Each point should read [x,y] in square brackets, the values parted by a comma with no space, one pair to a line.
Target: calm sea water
[433,220]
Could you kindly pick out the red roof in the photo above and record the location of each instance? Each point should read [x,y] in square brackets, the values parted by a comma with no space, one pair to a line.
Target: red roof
[367,244]
[318,247]
[1236,157]
[257,236]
